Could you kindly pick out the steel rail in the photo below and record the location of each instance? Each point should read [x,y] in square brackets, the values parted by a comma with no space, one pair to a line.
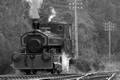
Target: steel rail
[41,77]
[89,76]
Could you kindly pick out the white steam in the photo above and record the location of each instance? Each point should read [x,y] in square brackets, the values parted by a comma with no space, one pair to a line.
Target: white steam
[34,6]
[53,14]
[65,62]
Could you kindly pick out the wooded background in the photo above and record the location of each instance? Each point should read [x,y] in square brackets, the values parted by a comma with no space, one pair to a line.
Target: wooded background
[93,39]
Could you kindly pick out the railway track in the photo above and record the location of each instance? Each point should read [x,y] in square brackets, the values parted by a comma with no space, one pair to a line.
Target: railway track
[40,77]
[101,76]
[89,76]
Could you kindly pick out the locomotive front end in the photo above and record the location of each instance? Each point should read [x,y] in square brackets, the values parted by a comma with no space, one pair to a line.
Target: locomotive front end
[42,48]
[41,51]
[33,56]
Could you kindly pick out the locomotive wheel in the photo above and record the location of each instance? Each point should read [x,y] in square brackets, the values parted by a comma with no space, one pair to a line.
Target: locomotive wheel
[28,72]
[53,71]
[58,72]
[34,72]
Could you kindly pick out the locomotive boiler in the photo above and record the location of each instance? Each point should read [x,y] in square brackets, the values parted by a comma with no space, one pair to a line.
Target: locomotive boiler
[42,48]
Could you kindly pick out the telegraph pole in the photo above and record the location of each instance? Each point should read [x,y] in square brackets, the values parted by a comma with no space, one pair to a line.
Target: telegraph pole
[74,6]
[76,28]
[109,27]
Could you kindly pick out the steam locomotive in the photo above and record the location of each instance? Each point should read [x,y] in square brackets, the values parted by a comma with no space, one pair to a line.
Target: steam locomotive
[43,47]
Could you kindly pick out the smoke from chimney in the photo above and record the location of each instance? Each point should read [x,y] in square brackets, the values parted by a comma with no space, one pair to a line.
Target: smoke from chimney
[53,14]
[34,6]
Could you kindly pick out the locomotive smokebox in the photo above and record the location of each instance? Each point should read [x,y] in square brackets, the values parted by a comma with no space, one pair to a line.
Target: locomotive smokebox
[35,24]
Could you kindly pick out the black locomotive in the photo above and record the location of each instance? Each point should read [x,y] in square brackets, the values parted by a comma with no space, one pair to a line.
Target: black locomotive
[42,48]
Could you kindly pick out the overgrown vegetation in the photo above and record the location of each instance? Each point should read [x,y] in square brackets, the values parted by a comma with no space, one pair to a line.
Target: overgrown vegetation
[93,39]
[13,22]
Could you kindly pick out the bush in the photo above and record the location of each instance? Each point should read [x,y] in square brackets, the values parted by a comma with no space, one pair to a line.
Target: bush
[12,25]
[5,68]
[87,65]
[82,65]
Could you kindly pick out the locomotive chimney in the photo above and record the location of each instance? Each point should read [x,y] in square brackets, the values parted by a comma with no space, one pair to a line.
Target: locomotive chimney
[35,5]
[35,24]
